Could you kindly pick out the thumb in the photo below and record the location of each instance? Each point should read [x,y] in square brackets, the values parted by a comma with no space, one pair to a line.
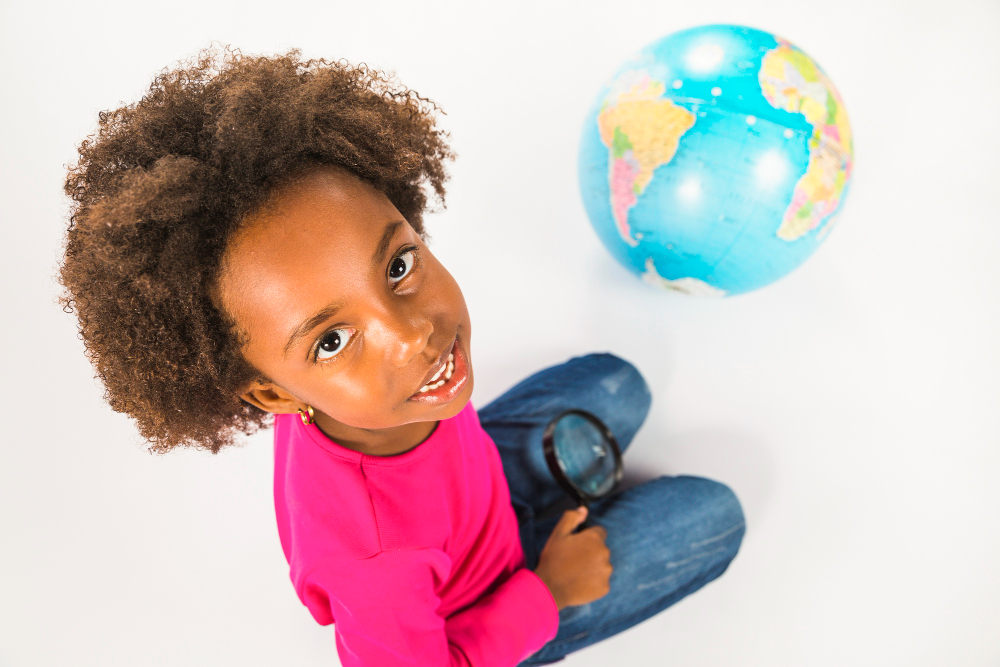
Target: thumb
[570,520]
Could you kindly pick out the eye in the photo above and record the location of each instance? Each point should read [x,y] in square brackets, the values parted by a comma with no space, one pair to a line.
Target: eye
[402,265]
[332,343]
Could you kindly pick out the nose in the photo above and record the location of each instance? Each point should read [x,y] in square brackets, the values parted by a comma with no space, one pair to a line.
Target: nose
[408,334]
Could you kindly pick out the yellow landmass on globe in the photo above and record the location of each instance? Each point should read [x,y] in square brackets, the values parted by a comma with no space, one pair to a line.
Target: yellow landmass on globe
[791,81]
[642,131]
[653,125]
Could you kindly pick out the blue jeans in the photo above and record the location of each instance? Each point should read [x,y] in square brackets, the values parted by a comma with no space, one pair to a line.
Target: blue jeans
[668,536]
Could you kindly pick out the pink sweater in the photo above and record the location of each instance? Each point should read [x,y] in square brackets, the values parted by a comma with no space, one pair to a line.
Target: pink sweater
[416,556]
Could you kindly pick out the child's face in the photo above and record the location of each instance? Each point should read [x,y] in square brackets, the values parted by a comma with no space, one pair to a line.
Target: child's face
[321,245]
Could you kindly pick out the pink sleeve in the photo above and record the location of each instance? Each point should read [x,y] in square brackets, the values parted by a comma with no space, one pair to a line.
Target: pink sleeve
[386,614]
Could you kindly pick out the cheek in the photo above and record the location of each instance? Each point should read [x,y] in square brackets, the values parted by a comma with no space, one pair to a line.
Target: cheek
[356,399]
[448,290]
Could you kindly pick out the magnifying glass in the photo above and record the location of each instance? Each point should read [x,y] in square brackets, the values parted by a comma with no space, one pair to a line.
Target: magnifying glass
[583,456]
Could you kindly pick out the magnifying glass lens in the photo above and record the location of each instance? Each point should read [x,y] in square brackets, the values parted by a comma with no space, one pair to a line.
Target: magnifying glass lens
[584,454]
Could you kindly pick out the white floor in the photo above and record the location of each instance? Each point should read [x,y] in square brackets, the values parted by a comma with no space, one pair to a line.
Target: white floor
[853,406]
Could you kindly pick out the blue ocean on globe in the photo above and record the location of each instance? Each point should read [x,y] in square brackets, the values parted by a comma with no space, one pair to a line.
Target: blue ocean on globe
[715,161]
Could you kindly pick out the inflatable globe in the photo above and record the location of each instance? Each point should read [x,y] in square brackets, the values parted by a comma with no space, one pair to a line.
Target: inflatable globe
[715,161]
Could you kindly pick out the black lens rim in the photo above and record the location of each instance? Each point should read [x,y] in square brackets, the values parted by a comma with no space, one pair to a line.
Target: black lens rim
[549,447]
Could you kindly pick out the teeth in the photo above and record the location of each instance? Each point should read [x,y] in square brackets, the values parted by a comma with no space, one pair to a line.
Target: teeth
[448,369]
[438,374]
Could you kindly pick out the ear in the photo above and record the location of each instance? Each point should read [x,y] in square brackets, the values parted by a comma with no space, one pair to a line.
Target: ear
[271,398]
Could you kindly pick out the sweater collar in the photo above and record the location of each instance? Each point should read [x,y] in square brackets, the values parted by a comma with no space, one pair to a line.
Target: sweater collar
[441,433]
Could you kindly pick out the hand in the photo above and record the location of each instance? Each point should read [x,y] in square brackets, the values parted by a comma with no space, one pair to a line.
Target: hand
[575,566]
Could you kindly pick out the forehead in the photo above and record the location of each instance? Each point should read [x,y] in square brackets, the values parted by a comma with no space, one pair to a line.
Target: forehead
[323,198]
[314,238]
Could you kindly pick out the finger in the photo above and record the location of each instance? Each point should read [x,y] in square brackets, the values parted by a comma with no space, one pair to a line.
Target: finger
[599,530]
[570,520]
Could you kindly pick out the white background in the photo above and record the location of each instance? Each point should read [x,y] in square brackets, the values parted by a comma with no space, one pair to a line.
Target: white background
[852,406]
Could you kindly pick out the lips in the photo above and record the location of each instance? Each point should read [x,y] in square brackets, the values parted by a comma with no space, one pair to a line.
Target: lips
[441,363]
[452,387]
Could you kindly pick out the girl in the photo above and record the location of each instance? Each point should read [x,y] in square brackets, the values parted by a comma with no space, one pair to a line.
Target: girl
[246,248]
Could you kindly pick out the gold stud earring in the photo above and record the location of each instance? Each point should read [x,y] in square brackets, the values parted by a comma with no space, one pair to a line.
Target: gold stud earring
[307,419]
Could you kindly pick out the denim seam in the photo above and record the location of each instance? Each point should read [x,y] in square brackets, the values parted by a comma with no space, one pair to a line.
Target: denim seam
[741,524]
[700,554]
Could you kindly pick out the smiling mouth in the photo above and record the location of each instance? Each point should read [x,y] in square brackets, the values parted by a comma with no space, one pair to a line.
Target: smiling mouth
[448,369]
[447,382]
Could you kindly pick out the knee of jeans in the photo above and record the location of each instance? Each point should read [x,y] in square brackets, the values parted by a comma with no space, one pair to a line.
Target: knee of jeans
[720,510]
[622,379]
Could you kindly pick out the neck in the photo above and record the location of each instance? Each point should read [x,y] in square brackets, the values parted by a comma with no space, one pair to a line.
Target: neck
[376,442]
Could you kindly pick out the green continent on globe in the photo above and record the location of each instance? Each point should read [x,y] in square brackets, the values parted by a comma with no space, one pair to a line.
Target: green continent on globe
[791,81]
[641,130]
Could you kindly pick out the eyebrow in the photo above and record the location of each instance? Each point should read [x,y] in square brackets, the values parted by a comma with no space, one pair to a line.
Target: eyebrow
[383,243]
[378,257]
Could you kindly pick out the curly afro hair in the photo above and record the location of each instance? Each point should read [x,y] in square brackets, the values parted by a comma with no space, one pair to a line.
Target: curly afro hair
[165,182]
